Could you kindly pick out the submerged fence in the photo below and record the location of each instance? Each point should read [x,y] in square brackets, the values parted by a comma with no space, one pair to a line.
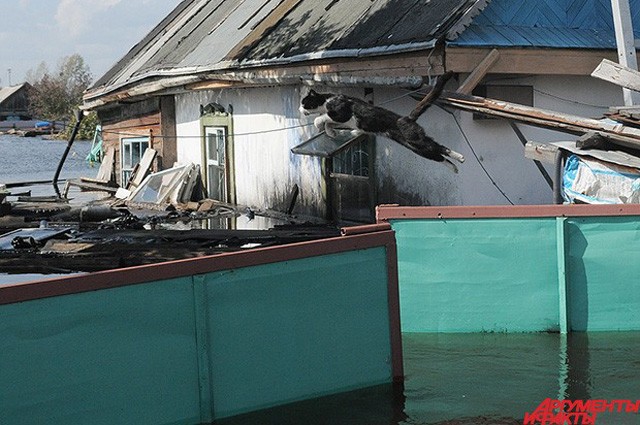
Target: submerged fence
[190,341]
[518,269]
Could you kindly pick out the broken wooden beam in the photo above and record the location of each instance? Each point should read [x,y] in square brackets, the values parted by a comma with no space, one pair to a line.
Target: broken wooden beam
[479,72]
[625,41]
[553,120]
[92,186]
[542,152]
[617,74]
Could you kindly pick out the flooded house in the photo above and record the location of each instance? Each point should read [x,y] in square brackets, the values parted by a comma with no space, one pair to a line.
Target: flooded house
[219,84]
[468,312]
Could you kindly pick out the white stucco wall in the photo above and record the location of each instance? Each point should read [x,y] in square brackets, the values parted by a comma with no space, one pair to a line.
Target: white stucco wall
[266,170]
[419,181]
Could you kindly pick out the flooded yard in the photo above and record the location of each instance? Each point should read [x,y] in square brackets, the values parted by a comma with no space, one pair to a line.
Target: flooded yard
[483,379]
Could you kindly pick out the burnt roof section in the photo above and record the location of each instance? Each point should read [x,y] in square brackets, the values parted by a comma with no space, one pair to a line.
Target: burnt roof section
[211,35]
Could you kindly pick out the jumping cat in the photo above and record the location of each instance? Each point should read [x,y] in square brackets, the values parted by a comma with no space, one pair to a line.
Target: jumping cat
[340,112]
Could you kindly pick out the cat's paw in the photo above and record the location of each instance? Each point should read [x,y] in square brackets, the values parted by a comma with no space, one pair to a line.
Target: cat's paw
[320,123]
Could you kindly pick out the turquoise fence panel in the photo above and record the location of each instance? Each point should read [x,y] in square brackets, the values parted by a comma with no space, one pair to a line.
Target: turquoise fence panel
[492,275]
[604,273]
[298,318]
[123,355]
[236,333]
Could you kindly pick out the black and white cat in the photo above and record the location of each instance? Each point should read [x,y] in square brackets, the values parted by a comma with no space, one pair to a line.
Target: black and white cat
[344,112]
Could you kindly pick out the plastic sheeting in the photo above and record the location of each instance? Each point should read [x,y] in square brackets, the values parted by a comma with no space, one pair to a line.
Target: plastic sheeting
[590,181]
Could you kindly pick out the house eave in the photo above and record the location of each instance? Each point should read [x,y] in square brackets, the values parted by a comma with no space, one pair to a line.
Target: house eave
[529,60]
[140,85]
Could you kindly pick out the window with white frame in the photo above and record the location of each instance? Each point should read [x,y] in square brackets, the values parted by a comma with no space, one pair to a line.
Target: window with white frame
[131,150]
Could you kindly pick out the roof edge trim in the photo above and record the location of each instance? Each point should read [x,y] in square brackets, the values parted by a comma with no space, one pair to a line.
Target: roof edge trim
[92,97]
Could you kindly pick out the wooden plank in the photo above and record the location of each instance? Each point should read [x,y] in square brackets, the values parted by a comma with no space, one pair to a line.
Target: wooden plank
[625,40]
[105,172]
[215,84]
[92,186]
[538,164]
[398,65]
[616,133]
[529,61]
[625,110]
[540,152]
[479,72]
[148,121]
[143,170]
[168,155]
[618,74]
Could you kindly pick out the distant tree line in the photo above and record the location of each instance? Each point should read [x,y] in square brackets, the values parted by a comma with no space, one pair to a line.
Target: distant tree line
[55,95]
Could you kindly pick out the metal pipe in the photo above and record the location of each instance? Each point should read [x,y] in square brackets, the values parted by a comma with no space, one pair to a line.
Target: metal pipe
[557,178]
[72,138]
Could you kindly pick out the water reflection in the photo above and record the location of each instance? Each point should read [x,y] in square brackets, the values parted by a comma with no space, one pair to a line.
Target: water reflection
[381,405]
[483,379]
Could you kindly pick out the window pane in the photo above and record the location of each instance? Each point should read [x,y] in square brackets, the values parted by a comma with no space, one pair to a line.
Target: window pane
[126,155]
[132,151]
[135,153]
[221,146]
[212,150]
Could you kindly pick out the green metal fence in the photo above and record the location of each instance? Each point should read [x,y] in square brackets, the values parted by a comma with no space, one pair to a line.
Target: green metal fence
[196,340]
[518,269]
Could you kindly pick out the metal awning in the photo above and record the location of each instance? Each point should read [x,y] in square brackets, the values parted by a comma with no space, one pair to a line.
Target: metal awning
[324,146]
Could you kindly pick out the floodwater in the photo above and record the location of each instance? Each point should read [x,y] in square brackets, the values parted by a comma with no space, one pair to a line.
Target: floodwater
[28,159]
[451,379]
[482,379]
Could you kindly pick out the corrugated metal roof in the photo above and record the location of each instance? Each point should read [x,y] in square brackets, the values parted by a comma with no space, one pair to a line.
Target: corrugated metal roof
[207,35]
[545,23]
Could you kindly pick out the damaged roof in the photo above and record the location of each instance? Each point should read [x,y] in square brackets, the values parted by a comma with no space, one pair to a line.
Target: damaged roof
[211,35]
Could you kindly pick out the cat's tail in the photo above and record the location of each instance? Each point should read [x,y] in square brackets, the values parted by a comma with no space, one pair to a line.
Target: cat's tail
[431,97]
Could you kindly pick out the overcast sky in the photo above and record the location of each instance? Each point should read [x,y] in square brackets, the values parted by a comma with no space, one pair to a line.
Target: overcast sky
[102,31]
